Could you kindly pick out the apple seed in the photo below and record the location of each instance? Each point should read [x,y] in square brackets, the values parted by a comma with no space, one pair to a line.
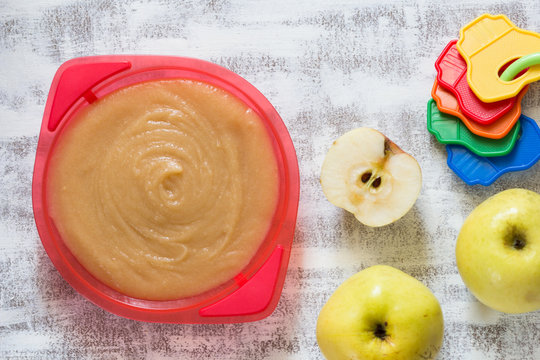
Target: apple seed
[365,177]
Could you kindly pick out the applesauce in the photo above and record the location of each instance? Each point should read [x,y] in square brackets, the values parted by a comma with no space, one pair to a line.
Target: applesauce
[164,189]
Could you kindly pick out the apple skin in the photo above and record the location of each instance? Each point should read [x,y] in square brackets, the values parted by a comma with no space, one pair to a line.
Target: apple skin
[381,296]
[498,274]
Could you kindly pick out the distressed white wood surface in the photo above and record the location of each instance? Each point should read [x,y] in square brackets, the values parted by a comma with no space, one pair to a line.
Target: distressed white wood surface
[327,66]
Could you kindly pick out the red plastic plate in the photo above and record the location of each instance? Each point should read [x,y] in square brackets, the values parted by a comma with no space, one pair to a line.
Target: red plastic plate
[254,293]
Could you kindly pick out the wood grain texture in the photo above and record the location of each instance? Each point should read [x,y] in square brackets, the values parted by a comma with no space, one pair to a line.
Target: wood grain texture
[327,67]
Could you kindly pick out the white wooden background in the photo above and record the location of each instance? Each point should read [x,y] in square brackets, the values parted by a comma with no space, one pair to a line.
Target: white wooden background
[328,67]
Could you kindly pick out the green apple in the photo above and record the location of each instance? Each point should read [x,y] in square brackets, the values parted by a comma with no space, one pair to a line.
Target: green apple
[380,313]
[498,251]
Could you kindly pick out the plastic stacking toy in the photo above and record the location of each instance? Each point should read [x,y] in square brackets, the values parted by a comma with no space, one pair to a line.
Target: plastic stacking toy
[451,74]
[449,129]
[474,169]
[447,103]
[489,43]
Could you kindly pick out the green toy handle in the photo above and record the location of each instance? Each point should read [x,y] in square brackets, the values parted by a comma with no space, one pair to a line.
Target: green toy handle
[519,65]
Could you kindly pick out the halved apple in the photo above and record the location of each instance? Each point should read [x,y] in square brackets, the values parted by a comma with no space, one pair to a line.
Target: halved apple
[368,175]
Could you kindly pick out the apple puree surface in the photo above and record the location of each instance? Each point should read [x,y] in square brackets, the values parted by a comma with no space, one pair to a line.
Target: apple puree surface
[164,189]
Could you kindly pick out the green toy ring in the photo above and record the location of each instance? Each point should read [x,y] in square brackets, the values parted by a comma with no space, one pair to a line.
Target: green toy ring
[519,65]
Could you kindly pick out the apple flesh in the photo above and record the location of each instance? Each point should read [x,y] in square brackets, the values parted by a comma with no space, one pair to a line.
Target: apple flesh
[368,175]
[498,251]
[381,313]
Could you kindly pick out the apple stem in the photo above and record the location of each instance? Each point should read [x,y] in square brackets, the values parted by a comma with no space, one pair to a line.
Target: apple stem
[519,243]
[380,331]
[516,240]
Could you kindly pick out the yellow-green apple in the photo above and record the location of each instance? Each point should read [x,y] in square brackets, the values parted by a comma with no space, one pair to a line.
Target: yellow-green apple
[380,313]
[368,175]
[498,251]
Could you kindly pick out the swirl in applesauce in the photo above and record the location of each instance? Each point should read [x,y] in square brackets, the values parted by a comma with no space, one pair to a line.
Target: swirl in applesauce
[165,189]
